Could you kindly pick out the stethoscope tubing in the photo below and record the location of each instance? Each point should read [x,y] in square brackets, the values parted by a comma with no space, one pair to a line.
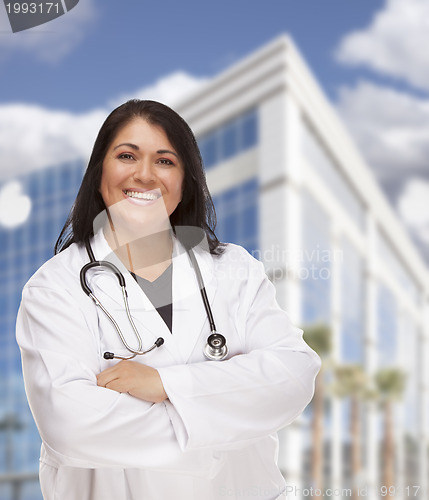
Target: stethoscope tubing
[202,288]
[215,349]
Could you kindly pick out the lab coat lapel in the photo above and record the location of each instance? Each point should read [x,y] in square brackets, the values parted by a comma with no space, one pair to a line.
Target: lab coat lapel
[190,323]
[147,319]
[105,279]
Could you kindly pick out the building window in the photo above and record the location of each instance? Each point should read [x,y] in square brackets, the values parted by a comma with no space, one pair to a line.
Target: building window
[237,215]
[387,321]
[249,130]
[229,139]
[352,304]
[315,262]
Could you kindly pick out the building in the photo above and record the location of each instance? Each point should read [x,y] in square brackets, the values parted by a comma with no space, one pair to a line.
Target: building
[289,185]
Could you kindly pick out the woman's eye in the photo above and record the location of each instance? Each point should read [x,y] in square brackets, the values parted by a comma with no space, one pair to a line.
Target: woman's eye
[166,161]
[126,156]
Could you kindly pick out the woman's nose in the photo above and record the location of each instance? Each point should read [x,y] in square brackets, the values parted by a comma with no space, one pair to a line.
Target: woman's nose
[144,171]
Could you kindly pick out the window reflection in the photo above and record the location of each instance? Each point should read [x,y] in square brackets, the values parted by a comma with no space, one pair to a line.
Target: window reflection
[237,215]
[315,268]
[229,139]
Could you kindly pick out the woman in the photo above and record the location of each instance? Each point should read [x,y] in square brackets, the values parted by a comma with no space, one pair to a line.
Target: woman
[170,424]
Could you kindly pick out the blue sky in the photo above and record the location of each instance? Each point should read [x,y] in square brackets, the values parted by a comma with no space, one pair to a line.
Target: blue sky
[59,80]
[132,43]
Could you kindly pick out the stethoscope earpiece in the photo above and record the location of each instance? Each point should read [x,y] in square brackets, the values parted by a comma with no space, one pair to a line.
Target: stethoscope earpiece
[110,355]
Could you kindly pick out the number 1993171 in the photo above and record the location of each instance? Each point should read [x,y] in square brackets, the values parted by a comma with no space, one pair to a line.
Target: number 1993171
[33,8]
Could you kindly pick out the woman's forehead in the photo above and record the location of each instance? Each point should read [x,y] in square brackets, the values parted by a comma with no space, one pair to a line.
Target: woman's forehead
[141,132]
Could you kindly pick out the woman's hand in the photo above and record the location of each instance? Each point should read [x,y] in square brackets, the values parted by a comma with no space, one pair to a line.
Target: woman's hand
[138,380]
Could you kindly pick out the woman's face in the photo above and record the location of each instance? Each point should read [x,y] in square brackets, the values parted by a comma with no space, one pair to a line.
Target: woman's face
[142,175]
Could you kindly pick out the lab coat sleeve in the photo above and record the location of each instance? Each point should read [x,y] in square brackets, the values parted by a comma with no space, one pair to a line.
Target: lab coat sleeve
[251,395]
[81,424]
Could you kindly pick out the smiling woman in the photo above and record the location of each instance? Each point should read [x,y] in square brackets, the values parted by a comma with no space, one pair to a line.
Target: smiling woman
[197,418]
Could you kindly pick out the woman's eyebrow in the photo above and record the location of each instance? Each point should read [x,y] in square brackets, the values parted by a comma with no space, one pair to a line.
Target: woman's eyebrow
[164,151]
[136,148]
[132,146]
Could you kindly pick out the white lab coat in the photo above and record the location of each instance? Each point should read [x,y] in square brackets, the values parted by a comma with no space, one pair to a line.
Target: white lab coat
[215,437]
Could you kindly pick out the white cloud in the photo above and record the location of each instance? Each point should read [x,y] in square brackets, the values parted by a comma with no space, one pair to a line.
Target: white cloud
[51,41]
[15,206]
[413,208]
[170,90]
[33,137]
[390,127]
[395,43]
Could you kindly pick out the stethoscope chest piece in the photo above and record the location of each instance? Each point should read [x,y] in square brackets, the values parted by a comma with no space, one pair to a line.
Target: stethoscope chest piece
[216,348]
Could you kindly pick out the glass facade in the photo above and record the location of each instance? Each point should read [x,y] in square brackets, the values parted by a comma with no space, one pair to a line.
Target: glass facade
[229,139]
[315,270]
[237,215]
[237,206]
[352,304]
[387,327]
[22,251]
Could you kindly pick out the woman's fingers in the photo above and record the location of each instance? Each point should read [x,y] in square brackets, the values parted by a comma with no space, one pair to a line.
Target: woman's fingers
[138,380]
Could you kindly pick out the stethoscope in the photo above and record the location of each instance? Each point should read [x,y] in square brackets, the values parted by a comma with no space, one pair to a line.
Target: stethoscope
[215,348]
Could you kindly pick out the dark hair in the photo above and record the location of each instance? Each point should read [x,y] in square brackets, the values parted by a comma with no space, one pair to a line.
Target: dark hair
[196,208]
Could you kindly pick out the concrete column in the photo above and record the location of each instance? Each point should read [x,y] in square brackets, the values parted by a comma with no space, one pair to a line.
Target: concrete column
[281,223]
[400,410]
[336,319]
[370,349]
[423,416]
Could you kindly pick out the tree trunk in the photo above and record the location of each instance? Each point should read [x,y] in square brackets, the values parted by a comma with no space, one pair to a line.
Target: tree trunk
[388,447]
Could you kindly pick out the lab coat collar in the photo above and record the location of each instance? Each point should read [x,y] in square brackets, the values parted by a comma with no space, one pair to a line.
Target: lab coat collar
[190,323]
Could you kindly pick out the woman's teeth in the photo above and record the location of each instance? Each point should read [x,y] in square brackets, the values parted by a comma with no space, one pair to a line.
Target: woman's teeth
[142,196]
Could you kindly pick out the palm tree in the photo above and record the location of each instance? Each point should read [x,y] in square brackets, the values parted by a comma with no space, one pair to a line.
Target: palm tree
[390,383]
[351,381]
[318,337]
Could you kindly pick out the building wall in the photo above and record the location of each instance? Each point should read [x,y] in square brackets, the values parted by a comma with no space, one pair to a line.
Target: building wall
[336,252]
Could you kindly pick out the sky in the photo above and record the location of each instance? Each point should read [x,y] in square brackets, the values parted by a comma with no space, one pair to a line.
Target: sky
[58,81]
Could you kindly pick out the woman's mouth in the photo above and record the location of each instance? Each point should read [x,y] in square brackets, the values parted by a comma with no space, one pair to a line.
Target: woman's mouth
[145,195]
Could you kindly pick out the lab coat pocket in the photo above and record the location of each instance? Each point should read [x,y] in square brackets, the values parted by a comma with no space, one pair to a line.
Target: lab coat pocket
[218,461]
[74,483]
[67,483]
